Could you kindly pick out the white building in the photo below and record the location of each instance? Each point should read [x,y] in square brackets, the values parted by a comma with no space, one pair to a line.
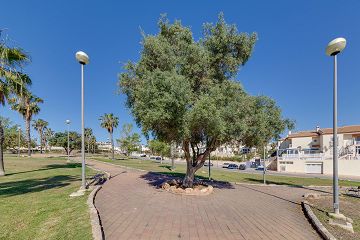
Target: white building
[311,151]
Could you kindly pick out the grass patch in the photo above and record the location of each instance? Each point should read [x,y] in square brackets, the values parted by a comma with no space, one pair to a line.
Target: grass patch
[349,206]
[35,202]
[223,175]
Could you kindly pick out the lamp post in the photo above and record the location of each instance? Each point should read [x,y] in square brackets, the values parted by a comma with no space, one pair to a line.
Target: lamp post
[19,131]
[334,47]
[83,59]
[264,171]
[209,168]
[68,139]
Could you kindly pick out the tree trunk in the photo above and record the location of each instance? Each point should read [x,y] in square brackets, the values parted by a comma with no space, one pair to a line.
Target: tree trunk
[193,163]
[188,180]
[2,168]
[88,147]
[27,123]
[112,146]
[41,143]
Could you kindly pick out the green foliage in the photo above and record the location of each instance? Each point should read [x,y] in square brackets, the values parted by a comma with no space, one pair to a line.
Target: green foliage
[109,122]
[60,139]
[159,147]
[183,90]
[12,60]
[129,142]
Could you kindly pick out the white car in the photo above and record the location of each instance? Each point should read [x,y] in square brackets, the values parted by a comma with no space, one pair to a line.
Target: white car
[225,165]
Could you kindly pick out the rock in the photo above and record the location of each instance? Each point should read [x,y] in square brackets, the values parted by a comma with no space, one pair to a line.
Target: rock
[165,186]
[173,182]
[172,188]
[188,190]
[179,190]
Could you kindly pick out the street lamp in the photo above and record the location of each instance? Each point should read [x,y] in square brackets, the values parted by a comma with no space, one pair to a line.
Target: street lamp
[333,48]
[83,59]
[68,139]
[19,130]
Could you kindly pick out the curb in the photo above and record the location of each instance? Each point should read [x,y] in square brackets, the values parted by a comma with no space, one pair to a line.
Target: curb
[95,220]
[319,227]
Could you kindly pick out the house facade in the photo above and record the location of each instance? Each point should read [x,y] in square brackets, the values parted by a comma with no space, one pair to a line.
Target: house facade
[312,151]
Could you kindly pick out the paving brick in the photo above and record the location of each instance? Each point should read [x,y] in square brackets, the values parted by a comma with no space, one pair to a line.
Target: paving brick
[130,208]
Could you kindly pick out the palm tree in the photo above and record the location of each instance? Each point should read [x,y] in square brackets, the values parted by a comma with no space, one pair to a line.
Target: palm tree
[12,81]
[48,134]
[88,135]
[40,126]
[109,122]
[28,106]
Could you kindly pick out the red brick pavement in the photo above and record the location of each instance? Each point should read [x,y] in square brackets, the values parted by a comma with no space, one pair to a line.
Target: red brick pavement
[130,208]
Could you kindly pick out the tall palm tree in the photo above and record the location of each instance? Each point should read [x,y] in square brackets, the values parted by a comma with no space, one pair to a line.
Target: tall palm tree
[48,134]
[40,126]
[28,106]
[12,81]
[109,122]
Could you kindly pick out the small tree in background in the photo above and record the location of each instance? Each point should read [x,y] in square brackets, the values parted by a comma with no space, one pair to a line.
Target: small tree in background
[159,148]
[40,125]
[109,122]
[60,139]
[28,106]
[184,91]
[129,142]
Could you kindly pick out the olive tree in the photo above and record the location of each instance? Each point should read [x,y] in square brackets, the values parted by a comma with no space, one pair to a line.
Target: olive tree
[184,91]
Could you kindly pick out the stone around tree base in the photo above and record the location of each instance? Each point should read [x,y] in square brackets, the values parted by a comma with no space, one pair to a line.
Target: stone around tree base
[174,186]
[341,221]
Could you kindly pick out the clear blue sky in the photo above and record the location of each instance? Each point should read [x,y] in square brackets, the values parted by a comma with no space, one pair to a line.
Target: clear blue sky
[289,63]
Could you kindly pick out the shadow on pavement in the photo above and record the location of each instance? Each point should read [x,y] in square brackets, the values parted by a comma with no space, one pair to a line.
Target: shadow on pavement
[155,179]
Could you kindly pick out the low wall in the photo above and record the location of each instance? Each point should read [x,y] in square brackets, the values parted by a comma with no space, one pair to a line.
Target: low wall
[346,167]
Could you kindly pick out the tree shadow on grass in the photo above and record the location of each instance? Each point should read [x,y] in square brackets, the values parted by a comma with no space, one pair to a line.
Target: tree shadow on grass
[155,179]
[49,167]
[35,185]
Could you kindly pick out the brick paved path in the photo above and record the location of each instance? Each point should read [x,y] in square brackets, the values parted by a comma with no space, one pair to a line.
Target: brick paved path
[131,208]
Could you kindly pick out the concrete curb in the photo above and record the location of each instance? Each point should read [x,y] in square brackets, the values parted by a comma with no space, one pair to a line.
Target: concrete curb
[95,220]
[319,227]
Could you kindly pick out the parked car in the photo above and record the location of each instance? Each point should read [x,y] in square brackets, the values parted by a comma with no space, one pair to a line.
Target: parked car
[260,168]
[242,167]
[225,165]
[233,166]
[152,157]
[206,164]
[158,158]
[143,155]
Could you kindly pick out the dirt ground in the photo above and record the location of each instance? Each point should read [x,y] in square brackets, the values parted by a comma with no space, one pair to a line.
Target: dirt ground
[349,206]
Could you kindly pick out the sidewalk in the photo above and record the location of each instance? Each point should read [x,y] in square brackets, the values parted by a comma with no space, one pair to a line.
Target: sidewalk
[132,208]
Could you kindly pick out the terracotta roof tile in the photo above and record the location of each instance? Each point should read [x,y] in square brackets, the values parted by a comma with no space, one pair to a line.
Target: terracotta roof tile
[325,131]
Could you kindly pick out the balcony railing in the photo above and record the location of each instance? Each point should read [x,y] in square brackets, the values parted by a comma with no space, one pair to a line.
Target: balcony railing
[302,156]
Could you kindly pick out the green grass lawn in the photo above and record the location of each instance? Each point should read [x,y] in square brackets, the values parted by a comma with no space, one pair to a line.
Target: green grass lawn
[222,175]
[35,202]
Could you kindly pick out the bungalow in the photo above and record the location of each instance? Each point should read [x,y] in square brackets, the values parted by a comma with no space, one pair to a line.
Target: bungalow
[311,151]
